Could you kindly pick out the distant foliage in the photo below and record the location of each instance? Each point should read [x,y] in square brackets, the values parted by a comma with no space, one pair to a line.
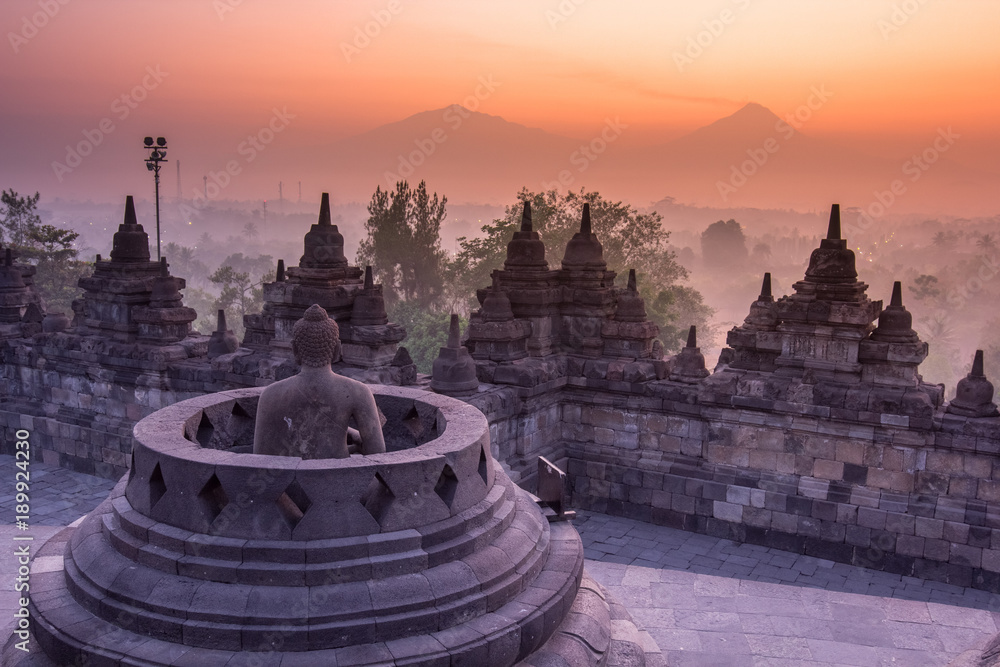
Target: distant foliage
[723,246]
[426,332]
[403,245]
[19,218]
[49,248]
[57,267]
[241,290]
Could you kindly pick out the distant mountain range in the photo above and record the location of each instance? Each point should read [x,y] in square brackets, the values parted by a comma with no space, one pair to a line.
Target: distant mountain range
[750,158]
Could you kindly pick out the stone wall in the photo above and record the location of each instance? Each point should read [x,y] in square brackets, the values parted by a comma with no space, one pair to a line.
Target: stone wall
[912,501]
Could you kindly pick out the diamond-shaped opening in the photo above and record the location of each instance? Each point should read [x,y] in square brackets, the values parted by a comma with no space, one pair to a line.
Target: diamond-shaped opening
[241,426]
[377,498]
[205,430]
[131,468]
[212,498]
[413,423]
[446,485]
[484,469]
[239,411]
[293,504]
[157,487]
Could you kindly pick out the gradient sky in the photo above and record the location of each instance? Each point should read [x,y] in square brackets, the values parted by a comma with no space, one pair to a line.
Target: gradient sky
[561,66]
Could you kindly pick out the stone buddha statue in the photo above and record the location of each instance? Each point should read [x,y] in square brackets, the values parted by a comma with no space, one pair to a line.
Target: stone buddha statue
[308,415]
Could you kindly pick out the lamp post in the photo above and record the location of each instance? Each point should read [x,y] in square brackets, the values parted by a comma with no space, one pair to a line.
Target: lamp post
[157,154]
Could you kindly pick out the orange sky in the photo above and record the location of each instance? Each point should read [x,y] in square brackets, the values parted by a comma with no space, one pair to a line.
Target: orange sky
[563,66]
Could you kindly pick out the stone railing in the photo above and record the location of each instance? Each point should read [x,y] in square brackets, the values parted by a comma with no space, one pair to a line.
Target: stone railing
[192,469]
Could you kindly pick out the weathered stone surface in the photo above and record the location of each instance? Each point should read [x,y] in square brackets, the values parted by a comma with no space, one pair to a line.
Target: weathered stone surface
[454,371]
[309,415]
[974,397]
[232,596]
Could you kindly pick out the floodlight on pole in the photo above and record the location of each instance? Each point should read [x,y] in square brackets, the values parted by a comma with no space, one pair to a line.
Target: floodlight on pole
[157,155]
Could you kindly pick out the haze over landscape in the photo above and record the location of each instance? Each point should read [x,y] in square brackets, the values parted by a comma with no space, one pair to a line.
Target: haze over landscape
[762,112]
[867,85]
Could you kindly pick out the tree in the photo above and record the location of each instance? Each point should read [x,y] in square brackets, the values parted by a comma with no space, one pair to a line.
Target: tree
[761,252]
[944,240]
[47,247]
[630,240]
[57,268]
[987,243]
[723,245]
[250,231]
[990,344]
[240,294]
[925,287]
[183,262]
[426,332]
[20,217]
[403,245]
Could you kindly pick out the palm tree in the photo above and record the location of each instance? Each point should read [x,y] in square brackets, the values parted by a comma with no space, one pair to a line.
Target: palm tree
[943,240]
[987,243]
[938,331]
[250,231]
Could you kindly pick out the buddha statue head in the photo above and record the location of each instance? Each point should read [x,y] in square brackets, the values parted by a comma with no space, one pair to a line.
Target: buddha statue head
[316,338]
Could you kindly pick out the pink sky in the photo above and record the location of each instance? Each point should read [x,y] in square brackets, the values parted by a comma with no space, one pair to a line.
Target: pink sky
[226,65]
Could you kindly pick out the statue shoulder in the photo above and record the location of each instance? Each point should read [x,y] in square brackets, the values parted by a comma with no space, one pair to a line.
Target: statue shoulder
[359,390]
[276,389]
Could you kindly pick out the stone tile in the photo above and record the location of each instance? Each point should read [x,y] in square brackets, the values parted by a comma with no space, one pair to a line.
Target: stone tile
[711,621]
[676,639]
[842,653]
[910,611]
[705,659]
[961,618]
[779,647]
[919,636]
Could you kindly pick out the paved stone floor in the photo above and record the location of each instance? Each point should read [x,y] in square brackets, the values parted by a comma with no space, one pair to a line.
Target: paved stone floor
[708,601]
[704,600]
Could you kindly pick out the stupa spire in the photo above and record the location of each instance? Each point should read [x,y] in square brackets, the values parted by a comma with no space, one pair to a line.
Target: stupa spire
[324,211]
[833,231]
[130,218]
[765,289]
[897,295]
[454,332]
